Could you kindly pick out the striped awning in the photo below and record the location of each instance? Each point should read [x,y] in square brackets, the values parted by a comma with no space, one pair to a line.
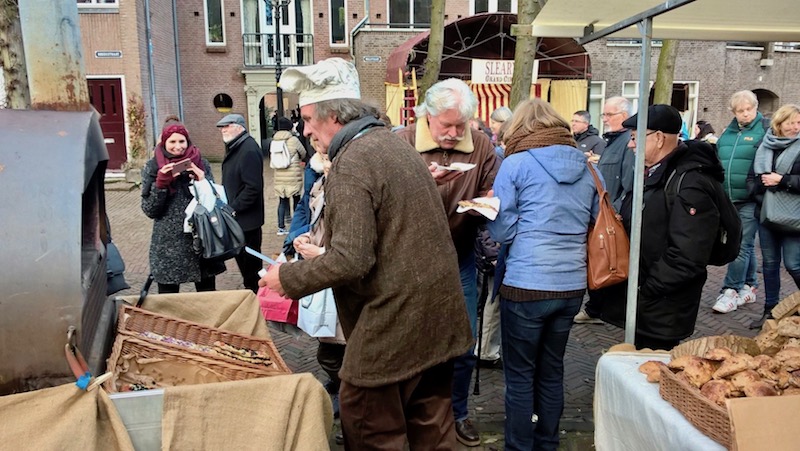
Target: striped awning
[490,97]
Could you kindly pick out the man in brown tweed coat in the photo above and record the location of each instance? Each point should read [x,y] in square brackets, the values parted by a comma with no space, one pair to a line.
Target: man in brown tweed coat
[392,265]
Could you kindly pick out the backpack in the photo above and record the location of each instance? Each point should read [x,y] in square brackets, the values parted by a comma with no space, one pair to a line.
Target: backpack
[729,232]
[279,157]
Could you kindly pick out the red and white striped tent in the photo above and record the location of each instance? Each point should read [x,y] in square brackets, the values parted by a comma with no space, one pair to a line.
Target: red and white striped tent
[490,97]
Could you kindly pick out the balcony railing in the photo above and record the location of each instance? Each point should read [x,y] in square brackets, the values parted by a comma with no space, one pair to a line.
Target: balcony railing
[296,49]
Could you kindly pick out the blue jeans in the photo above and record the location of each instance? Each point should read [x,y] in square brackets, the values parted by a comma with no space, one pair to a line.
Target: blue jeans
[284,213]
[743,270]
[773,244]
[535,338]
[464,364]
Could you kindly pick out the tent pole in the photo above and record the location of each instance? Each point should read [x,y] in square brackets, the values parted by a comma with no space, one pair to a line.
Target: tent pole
[646,29]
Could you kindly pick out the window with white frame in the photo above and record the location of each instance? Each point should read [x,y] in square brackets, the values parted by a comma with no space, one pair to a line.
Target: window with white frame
[414,12]
[597,98]
[338,22]
[492,6]
[630,90]
[215,22]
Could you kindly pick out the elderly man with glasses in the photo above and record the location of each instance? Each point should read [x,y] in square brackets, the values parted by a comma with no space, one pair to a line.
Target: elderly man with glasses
[680,220]
[616,164]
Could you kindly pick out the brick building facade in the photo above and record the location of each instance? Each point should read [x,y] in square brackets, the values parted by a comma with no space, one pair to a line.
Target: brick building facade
[236,73]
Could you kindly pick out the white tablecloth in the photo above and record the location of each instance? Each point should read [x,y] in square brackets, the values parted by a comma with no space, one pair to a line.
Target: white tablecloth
[630,415]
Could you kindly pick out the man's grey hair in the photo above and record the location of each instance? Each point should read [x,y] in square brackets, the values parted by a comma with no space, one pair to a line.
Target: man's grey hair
[743,97]
[620,104]
[448,95]
[345,110]
[585,115]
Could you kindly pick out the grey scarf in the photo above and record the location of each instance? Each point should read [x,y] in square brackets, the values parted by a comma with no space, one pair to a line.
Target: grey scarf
[349,131]
[789,149]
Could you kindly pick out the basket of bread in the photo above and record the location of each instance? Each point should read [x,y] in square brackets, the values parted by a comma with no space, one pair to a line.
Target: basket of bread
[704,373]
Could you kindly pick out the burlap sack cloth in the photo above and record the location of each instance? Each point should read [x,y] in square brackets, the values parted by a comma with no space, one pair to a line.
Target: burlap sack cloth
[274,413]
[61,418]
[236,310]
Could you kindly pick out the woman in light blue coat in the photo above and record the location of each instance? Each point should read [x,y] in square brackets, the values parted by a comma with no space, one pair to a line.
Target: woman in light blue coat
[547,201]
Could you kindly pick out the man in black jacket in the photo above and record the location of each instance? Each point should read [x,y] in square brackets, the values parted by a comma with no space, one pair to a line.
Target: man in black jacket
[243,178]
[616,165]
[587,137]
[677,239]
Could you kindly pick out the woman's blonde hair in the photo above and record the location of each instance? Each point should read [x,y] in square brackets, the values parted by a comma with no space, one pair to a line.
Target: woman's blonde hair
[783,114]
[531,112]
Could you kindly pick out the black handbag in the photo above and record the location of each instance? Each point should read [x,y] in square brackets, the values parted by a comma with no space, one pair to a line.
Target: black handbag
[217,234]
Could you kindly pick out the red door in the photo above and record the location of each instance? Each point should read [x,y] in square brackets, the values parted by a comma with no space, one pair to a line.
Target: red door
[106,96]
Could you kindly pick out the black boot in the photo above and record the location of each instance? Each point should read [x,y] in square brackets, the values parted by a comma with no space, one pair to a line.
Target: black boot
[757,324]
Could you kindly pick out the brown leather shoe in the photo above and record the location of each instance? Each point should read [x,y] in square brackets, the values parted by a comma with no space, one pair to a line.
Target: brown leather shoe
[467,433]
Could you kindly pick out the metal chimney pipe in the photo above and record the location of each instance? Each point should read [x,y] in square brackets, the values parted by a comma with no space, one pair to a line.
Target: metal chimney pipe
[51,37]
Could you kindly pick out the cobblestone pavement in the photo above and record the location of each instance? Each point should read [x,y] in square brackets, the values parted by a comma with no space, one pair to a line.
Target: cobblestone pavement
[132,229]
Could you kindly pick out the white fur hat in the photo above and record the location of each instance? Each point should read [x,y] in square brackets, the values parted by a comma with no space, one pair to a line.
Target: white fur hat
[333,78]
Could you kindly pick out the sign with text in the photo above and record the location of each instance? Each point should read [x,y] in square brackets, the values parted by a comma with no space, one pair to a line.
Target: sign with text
[497,71]
[108,54]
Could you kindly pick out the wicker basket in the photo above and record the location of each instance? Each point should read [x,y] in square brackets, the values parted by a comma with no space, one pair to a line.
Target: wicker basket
[711,419]
[134,321]
[699,346]
[127,344]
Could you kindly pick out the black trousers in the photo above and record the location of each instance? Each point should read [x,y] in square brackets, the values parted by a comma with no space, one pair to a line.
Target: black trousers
[207,284]
[249,265]
[330,357]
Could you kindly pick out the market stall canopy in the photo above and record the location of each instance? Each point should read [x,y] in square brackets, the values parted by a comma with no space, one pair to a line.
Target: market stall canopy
[486,36]
[718,20]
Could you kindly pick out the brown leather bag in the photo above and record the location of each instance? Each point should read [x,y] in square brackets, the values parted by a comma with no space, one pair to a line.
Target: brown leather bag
[607,244]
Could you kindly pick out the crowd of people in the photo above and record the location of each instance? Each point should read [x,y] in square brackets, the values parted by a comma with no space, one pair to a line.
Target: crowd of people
[366,198]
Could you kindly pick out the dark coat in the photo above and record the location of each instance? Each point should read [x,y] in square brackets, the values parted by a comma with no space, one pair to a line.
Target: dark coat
[616,164]
[243,178]
[172,257]
[676,244]
[390,261]
[590,140]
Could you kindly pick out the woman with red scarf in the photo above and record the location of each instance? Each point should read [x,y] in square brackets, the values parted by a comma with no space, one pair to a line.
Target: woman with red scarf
[165,195]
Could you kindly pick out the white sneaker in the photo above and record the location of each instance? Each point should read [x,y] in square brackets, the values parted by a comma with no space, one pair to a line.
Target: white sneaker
[727,302]
[747,295]
[583,318]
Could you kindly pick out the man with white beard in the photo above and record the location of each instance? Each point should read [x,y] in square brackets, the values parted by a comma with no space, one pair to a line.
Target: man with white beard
[442,136]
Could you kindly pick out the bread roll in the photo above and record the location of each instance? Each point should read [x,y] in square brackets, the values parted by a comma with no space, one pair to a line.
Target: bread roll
[652,368]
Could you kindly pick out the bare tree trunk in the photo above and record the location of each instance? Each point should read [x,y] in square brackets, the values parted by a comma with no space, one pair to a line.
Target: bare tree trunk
[12,57]
[525,51]
[665,73]
[435,48]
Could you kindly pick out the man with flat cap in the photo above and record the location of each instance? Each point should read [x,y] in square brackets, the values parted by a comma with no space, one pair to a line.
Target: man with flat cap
[677,239]
[243,179]
[385,230]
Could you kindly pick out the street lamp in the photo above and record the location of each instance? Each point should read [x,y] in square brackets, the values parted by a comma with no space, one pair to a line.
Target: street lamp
[277,6]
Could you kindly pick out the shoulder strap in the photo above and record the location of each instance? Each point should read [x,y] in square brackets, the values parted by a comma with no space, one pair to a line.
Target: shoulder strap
[597,183]
[671,194]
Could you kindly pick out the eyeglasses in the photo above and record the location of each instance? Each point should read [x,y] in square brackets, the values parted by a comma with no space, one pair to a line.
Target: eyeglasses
[580,122]
[611,114]
[633,135]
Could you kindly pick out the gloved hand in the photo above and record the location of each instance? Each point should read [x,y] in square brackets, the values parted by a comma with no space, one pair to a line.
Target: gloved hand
[163,180]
